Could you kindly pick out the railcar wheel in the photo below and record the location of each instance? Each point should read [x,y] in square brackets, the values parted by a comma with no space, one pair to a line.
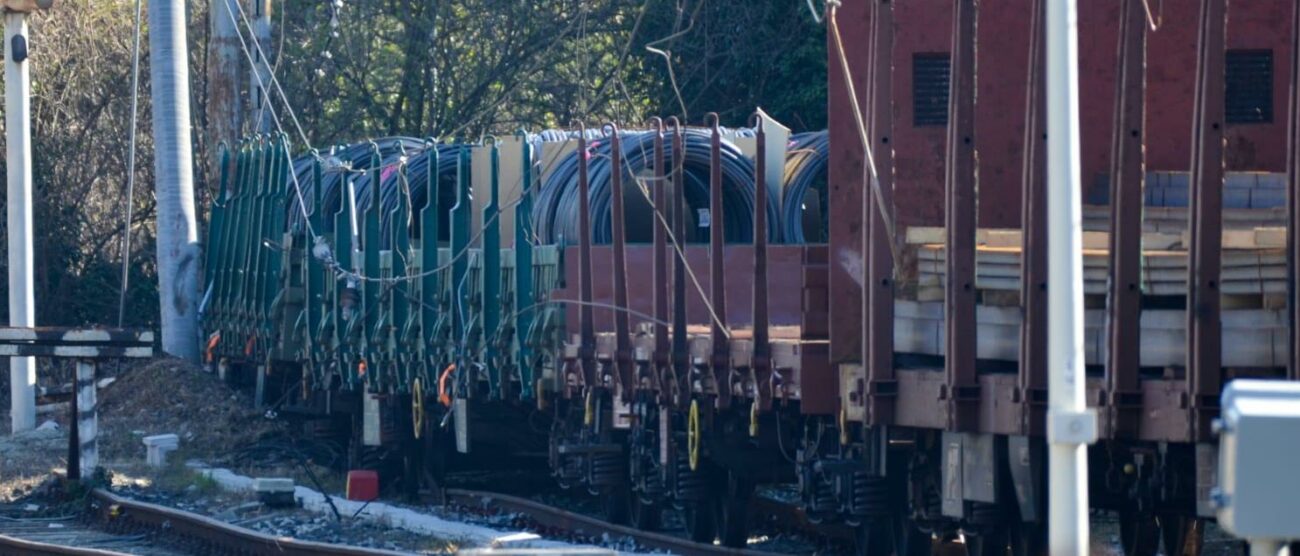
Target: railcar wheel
[734,512]
[646,516]
[1139,534]
[948,545]
[1029,539]
[992,541]
[910,540]
[701,520]
[618,504]
[876,537]
[1182,535]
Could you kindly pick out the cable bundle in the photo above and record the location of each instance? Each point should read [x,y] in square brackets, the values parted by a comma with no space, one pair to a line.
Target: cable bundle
[358,157]
[391,151]
[805,170]
[555,213]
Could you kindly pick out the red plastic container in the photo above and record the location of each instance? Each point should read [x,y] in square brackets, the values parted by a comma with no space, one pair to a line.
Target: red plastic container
[363,485]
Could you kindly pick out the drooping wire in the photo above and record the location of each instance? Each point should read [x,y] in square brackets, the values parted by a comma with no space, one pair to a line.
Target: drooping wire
[269,69]
[130,168]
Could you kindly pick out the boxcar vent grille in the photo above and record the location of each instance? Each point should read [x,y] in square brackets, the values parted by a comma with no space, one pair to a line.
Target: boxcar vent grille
[1249,95]
[929,89]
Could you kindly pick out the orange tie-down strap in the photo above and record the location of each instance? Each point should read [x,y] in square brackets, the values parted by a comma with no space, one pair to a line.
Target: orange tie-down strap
[443,397]
[213,340]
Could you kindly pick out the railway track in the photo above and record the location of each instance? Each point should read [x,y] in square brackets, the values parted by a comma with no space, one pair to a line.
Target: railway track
[550,518]
[115,525]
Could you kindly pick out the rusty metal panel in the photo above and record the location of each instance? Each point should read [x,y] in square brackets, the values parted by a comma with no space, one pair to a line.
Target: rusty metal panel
[586,318]
[720,360]
[1293,198]
[1204,349]
[844,181]
[1000,410]
[1124,306]
[1032,379]
[760,365]
[786,282]
[878,213]
[818,390]
[1164,411]
[623,365]
[677,203]
[961,389]
[917,391]
[660,285]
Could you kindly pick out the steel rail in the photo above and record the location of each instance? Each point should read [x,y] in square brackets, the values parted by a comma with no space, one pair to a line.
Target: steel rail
[552,517]
[224,536]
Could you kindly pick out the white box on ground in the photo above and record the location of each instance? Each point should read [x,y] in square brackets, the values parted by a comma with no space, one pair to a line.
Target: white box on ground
[1258,457]
[157,447]
[274,491]
[271,485]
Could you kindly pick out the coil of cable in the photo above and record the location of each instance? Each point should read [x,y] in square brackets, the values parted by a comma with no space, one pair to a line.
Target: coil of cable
[805,199]
[555,213]
[353,161]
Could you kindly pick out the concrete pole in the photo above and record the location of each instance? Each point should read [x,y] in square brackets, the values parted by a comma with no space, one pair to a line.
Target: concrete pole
[18,153]
[1070,426]
[225,115]
[261,71]
[87,418]
[178,240]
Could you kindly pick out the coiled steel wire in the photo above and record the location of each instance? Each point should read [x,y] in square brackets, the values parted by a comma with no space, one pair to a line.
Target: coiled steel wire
[556,208]
[805,198]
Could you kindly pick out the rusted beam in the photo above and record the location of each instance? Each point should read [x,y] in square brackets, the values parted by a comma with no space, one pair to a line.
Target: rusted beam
[623,364]
[961,391]
[760,364]
[720,360]
[1204,349]
[1127,171]
[1032,379]
[681,371]
[586,316]
[1293,197]
[878,286]
[845,184]
[660,359]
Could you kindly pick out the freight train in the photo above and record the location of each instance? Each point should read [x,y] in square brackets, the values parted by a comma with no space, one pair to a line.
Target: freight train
[678,315]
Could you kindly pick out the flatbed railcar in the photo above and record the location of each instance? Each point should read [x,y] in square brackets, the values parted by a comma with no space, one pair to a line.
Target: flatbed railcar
[632,302]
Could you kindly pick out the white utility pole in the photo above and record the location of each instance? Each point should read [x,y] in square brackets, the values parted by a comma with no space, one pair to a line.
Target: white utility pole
[260,81]
[18,153]
[1071,426]
[178,239]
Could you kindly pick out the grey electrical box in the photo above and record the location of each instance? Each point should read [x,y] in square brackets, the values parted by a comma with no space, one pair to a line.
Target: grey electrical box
[1259,458]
